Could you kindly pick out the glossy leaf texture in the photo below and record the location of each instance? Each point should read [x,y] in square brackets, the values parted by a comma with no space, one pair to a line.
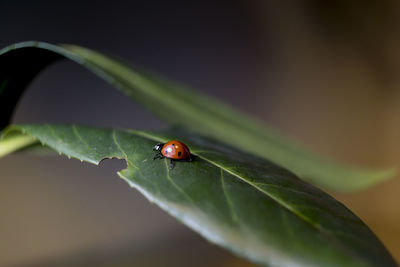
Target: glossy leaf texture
[239,201]
[176,104]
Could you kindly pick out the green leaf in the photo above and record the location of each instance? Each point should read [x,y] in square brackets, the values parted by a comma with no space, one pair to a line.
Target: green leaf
[239,201]
[176,104]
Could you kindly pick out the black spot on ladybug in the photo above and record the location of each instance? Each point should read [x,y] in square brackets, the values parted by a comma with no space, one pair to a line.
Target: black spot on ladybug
[173,144]
[179,154]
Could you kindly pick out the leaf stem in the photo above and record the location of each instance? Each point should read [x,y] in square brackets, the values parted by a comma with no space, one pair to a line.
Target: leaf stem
[14,143]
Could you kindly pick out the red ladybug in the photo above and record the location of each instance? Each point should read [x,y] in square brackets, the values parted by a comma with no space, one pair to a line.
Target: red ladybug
[174,150]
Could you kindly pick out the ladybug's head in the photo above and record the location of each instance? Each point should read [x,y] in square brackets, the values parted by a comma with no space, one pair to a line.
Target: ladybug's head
[158,147]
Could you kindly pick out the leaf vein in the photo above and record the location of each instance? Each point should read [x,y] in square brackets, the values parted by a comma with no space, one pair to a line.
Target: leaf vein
[228,200]
[114,136]
[54,134]
[76,133]
[175,185]
[286,189]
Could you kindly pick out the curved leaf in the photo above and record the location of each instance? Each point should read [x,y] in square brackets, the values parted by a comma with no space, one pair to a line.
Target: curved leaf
[239,201]
[19,64]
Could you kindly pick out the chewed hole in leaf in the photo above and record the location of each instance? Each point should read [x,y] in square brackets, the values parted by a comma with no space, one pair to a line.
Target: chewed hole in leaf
[116,164]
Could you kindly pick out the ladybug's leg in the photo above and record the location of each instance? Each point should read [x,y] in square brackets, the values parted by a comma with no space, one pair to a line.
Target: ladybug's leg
[158,156]
[171,164]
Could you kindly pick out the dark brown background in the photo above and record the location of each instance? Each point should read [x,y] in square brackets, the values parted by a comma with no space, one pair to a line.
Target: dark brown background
[325,74]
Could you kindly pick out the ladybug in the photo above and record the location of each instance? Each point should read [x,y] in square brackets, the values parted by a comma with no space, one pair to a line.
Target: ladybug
[174,150]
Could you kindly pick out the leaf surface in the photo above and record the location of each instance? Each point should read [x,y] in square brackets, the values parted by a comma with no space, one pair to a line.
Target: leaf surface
[239,201]
[176,104]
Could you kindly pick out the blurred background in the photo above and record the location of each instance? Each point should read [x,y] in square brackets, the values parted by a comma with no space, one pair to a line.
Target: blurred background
[323,72]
